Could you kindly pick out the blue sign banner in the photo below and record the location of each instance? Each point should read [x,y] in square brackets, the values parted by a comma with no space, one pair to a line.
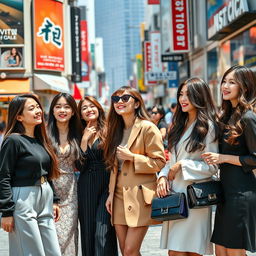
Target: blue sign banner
[173,66]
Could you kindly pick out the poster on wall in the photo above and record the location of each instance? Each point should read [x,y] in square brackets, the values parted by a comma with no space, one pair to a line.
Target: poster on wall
[48,35]
[11,25]
[11,57]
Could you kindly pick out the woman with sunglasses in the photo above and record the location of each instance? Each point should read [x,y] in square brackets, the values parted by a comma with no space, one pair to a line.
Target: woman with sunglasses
[98,236]
[27,166]
[134,153]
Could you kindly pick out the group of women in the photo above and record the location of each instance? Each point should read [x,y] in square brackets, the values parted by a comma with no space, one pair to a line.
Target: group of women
[118,160]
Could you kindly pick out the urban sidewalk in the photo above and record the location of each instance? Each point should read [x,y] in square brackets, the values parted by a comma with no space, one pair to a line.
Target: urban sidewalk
[150,246]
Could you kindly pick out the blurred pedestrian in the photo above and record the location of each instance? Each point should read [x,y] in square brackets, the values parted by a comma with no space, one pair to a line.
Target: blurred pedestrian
[157,116]
[169,115]
[235,219]
[194,131]
[65,131]
[98,236]
[134,154]
[27,165]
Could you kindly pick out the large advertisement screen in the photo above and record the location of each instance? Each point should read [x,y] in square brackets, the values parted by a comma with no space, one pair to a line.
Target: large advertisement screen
[48,35]
[11,22]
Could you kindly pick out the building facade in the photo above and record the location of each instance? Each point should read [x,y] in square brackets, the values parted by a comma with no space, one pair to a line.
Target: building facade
[117,22]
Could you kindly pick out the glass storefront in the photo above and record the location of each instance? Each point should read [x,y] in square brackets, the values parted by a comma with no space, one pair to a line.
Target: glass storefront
[240,50]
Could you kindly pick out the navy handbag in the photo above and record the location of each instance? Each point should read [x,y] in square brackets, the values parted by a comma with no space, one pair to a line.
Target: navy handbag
[171,207]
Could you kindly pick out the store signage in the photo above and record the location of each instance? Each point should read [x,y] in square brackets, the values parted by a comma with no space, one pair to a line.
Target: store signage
[155,40]
[174,82]
[148,60]
[11,25]
[48,35]
[157,76]
[76,45]
[140,80]
[229,13]
[180,29]
[153,1]
[85,51]
[172,57]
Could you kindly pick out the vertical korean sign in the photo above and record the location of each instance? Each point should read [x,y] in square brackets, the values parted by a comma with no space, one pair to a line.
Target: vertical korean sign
[84,51]
[147,61]
[155,39]
[76,44]
[180,29]
[48,35]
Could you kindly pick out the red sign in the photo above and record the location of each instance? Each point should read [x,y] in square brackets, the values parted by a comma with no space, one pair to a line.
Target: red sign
[84,51]
[148,60]
[153,1]
[180,29]
[48,35]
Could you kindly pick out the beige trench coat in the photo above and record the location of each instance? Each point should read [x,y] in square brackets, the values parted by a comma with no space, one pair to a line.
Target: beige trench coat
[138,178]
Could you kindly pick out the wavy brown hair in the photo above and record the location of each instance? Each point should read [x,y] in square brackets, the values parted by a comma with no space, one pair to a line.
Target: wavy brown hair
[200,97]
[231,118]
[101,121]
[115,124]
[16,108]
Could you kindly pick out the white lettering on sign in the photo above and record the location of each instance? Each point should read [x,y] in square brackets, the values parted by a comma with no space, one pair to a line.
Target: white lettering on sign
[229,13]
[156,76]
[180,34]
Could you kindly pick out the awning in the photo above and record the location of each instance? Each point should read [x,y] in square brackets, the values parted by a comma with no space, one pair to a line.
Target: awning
[14,86]
[9,88]
[51,82]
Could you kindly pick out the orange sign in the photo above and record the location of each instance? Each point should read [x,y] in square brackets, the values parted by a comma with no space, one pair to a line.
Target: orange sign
[48,35]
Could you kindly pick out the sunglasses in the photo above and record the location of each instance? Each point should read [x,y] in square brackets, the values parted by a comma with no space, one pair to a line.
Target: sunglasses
[154,113]
[124,98]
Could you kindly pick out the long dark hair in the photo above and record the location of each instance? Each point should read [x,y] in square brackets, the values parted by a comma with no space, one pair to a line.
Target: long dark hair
[16,108]
[200,97]
[115,124]
[246,80]
[74,126]
[101,121]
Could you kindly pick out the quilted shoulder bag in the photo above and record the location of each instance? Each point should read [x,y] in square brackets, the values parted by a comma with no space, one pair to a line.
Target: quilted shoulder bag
[204,194]
[171,207]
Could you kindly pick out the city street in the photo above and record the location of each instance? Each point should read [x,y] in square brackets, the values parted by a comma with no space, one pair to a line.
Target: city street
[150,246]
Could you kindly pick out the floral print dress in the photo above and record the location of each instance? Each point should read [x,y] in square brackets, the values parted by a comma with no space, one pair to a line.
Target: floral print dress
[66,189]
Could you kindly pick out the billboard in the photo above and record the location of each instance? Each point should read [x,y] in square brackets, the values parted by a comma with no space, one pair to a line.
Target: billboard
[11,25]
[48,35]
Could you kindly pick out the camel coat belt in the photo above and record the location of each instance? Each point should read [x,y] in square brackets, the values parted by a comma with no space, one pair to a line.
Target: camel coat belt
[138,178]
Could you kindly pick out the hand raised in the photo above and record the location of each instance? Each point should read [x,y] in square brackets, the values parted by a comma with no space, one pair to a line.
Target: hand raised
[123,153]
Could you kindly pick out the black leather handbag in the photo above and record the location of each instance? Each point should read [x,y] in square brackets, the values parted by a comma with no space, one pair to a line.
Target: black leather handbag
[204,194]
[171,207]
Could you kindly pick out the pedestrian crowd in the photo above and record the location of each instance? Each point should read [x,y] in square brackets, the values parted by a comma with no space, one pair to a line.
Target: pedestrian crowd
[101,171]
